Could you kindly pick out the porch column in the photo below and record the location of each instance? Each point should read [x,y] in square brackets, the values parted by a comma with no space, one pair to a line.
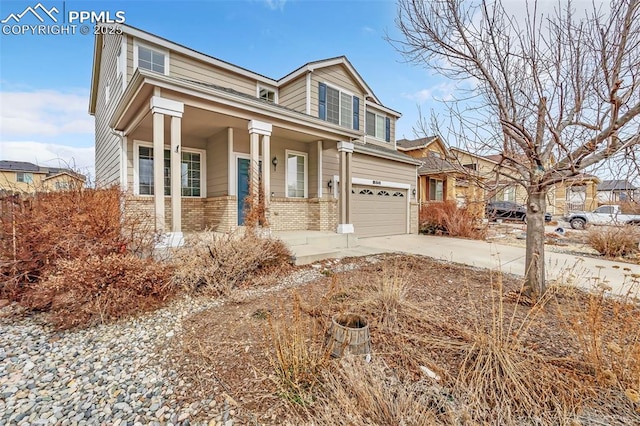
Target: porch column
[161,107]
[158,169]
[176,175]
[266,170]
[344,220]
[260,130]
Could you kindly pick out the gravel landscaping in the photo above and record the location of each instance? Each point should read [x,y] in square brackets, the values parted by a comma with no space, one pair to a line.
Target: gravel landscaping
[109,374]
[113,374]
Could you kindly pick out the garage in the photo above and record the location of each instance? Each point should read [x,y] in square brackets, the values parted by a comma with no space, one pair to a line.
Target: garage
[378,211]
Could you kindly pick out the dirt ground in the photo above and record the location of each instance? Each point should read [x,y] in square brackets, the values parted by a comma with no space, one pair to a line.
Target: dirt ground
[570,241]
[228,351]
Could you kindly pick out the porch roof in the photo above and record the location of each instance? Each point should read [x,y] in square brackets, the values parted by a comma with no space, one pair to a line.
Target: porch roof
[432,164]
[239,104]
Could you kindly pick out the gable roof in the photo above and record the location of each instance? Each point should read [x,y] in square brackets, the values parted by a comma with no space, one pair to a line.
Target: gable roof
[324,63]
[24,166]
[411,144]
[152,38]
[433,164]
[18,166]
[616,185]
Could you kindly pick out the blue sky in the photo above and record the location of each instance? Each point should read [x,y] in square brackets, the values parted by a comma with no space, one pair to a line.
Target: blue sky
[44,79]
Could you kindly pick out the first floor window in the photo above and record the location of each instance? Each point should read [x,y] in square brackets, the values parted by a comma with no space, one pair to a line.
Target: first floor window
[190,172]
[436,190]
[296,175]
[24,177]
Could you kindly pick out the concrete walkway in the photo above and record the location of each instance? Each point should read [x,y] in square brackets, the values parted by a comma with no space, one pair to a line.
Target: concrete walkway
[582,271]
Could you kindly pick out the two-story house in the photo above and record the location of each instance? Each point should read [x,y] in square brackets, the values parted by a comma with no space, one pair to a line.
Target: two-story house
[25,177]
[318,141]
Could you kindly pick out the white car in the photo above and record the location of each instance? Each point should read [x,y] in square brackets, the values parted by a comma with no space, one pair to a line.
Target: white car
[603,215]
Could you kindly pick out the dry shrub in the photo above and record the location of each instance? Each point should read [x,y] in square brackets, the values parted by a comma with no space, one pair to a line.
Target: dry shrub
[447,218]
[216,263]
[630,207]
[503,381]
[297,356]
[358,393]
[98,289]
[608,332]
[388,295]
[614,241]
[40,231]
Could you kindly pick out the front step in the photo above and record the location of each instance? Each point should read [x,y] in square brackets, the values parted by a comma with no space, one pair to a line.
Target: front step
[306,254]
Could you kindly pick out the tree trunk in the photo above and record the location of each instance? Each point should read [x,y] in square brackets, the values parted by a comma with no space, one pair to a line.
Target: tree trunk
[534,263]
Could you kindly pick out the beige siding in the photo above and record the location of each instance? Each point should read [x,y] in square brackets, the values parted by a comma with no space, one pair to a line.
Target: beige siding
[368,167]
[337,76]
[330,164]
[188,68]
[130,67]
[217,165]
[294,94]
[278,150]
[107,152]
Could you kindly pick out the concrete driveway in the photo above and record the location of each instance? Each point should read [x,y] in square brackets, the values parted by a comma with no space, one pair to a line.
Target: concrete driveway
[582,271]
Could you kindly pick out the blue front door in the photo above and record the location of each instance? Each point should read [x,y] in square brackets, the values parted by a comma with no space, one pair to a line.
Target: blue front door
[243,187]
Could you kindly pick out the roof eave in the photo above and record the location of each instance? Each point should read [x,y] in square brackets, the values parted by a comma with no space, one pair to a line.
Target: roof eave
[95,73]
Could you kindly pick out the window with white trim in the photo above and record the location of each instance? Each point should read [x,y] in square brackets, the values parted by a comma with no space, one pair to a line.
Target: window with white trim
[152,59]
[24,177]
[191,172]
[338,107]
[267,94]
[436,190]
[375,125]
[296,174]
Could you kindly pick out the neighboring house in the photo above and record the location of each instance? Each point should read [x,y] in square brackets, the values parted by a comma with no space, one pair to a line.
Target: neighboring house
[574,194]
[617,191]
[471,179]
[318,141]
[21,176]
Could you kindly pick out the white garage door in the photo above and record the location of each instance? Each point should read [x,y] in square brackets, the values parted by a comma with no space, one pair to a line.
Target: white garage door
[377,211]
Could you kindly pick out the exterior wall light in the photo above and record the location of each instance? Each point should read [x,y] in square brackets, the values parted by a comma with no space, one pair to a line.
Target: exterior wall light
[275,163]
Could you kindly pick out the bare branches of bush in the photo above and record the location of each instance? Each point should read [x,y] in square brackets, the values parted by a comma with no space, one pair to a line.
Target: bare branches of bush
[297,354]
[446,218]
[614,241]
[216,263]
[41,230]
[99,289]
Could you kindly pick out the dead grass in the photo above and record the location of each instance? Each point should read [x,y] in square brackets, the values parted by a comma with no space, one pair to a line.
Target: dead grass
[446,218]
[614,241]
[216,263]
[497,362]
[298,356]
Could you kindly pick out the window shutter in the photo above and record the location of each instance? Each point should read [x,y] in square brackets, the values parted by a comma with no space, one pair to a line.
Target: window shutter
[387,129]
[322,101]
[356,113]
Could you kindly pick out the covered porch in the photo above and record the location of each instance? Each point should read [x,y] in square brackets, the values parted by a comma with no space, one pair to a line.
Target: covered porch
[224,148]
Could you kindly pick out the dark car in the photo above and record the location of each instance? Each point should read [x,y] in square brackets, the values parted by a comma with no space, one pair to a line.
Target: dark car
[509,210]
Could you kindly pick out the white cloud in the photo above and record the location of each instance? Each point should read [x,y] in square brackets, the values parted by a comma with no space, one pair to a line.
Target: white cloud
[44,113]
[49,154]
[275,4]
[368,30]
[439,92]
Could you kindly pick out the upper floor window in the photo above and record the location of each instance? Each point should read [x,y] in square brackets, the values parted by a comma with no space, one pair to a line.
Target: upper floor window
[378,126]
[267,94]
[151,59]
[338,107]
[24,177]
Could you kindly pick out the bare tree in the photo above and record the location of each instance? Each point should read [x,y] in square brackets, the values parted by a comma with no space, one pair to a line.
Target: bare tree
[557,93]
